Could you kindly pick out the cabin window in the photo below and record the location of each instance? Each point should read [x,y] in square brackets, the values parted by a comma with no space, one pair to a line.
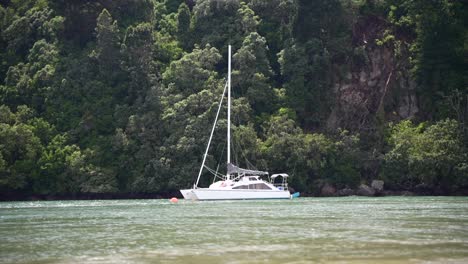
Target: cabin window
[256,186]
[241,187]
[259,186]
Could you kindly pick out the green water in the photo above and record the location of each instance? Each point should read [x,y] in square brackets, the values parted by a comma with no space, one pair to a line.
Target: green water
[304,230]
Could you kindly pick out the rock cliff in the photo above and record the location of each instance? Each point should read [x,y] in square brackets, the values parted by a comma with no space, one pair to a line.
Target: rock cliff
[375,83]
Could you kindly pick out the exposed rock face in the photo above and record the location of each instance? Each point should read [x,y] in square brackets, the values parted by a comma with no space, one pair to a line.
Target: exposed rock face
[365,190]
[376,83]
[346,192]
[377,185]
[328,190]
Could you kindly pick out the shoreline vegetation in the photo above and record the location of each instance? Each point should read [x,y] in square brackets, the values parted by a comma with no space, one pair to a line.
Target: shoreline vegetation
[326,191]
[111,99]
[85,197]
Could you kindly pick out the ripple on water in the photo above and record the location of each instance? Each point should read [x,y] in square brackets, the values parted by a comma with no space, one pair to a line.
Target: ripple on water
[335,230]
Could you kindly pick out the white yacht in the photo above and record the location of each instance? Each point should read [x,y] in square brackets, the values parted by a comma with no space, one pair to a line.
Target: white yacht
[238,183]
[242,185]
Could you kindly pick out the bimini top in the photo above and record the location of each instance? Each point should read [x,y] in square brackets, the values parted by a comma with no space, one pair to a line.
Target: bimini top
[284,175]
[232,169]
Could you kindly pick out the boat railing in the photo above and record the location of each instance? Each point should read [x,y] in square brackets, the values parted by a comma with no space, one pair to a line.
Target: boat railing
[281,186]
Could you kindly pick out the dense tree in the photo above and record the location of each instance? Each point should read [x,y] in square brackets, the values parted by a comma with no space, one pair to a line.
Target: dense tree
[138,61]
[190,73]
[228,22]
[438,50]
[107,51]
[427,156]
[191,93]
[20,150]
[252,73]
[217,18]
[118,96]
[28,83]
[307,80]
[183,25]
[278,18]
[35,159]
[294,69]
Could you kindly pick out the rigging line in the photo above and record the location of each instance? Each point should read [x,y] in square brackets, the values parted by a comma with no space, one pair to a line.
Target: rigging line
[235,154]
[213,172]
[242,152]
[247,162]
[220,157]
[211,135]
[237,142]
[250,163]
[214,178]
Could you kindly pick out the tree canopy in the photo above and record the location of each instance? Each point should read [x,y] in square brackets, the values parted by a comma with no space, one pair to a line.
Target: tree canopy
[118,97]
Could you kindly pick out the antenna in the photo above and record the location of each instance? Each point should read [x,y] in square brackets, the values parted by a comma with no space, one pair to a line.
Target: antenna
[229,112]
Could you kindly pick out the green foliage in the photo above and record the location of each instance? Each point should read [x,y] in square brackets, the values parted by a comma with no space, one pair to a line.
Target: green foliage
[214,22]
[221,23]
[167,49]
[252,72]
[53,163]
[138,61]
[276,14]
[119,96]
[430,155]
[438,49]
[20,149]
[293,69]
[311,158]
[185,119]
[28,83]
[183,25]
[35,159]
[190,73]
[305,69]
[108,44]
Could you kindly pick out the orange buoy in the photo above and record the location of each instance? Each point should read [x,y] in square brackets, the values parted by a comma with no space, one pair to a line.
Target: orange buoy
[174,200]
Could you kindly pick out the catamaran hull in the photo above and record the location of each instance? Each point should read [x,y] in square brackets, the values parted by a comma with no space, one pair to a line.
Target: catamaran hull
[202,194]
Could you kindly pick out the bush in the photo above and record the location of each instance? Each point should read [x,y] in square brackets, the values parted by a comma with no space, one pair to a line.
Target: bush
[431,155]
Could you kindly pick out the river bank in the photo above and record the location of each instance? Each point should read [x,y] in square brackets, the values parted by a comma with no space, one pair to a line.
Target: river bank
[12,196]
[324,191]
[377,188]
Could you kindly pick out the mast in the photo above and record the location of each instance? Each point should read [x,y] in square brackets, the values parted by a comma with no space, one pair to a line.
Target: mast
[229,112]
[211,137]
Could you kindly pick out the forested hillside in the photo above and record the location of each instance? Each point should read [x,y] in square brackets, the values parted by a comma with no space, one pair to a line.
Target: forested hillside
[103,97]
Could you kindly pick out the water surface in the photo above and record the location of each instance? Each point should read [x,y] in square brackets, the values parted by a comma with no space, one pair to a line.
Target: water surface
[304,230]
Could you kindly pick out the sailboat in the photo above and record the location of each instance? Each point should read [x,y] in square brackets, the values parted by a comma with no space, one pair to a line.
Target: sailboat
[238,183]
